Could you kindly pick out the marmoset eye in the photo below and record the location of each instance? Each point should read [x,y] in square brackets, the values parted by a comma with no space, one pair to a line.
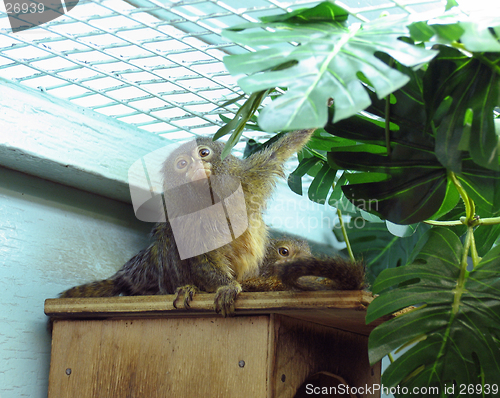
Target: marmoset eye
[283,251]
[204,152]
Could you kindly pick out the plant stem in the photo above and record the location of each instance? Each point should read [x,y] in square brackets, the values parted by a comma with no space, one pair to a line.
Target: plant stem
[478,56]
[469,237]
[388,124]
[344,233]
[457,291]
[346,238]
[387,115]
[489,221]
[470,208]
[443,223]
[391,358]
[470,221]
[473,252]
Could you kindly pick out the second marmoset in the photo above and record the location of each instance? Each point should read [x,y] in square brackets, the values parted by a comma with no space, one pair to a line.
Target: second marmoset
[290,265]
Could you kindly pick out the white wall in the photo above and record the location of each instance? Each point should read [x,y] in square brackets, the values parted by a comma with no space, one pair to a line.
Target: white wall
[51,238]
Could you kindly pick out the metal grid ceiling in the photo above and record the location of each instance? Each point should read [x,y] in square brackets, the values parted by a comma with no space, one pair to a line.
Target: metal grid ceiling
[156,64]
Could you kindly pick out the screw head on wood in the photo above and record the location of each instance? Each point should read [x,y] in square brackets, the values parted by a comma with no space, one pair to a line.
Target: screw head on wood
[68,371]
[241,364]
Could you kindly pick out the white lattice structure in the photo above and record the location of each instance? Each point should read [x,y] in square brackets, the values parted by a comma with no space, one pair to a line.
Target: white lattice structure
[155,64]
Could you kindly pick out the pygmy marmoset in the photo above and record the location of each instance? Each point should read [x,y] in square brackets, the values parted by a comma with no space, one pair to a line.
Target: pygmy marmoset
[189,170]
[290,265]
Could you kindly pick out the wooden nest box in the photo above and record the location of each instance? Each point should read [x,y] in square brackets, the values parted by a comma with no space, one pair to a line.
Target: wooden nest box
[279,344]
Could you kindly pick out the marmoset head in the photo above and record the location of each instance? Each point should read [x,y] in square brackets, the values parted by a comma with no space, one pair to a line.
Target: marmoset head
[193,161]
[289,249]
[195,178]
[282,250]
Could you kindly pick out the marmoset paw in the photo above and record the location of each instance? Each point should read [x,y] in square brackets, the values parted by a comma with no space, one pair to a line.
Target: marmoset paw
[225,297]
[188,291]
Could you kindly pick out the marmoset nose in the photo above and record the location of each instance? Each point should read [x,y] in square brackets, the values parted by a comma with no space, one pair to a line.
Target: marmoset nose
[197,170]
[195,164]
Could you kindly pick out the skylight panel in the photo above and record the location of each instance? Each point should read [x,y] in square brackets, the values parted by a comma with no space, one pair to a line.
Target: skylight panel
[156,64]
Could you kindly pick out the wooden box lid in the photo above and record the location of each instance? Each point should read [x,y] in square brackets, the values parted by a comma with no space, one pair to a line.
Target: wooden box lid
[344,310]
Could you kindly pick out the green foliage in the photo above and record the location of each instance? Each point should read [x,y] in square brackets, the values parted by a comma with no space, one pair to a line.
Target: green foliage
[325,64]
[240,121]
[412,130]
[455,325]
[476,33]
[378,247]
[463,86]
[416,187]
[322,12]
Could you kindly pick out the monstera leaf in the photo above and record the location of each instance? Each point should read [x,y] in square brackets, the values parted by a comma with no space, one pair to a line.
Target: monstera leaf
[416,183]
[324,59]
[468,88]
[456,325]
[477,31]
[416,187]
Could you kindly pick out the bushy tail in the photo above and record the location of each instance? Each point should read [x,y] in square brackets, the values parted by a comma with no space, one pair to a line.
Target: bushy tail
[339,274]
[105,288]
[263,284]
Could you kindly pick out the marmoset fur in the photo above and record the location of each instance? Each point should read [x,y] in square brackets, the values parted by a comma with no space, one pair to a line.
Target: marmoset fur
[279,251]
[189,170]
[289,265]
